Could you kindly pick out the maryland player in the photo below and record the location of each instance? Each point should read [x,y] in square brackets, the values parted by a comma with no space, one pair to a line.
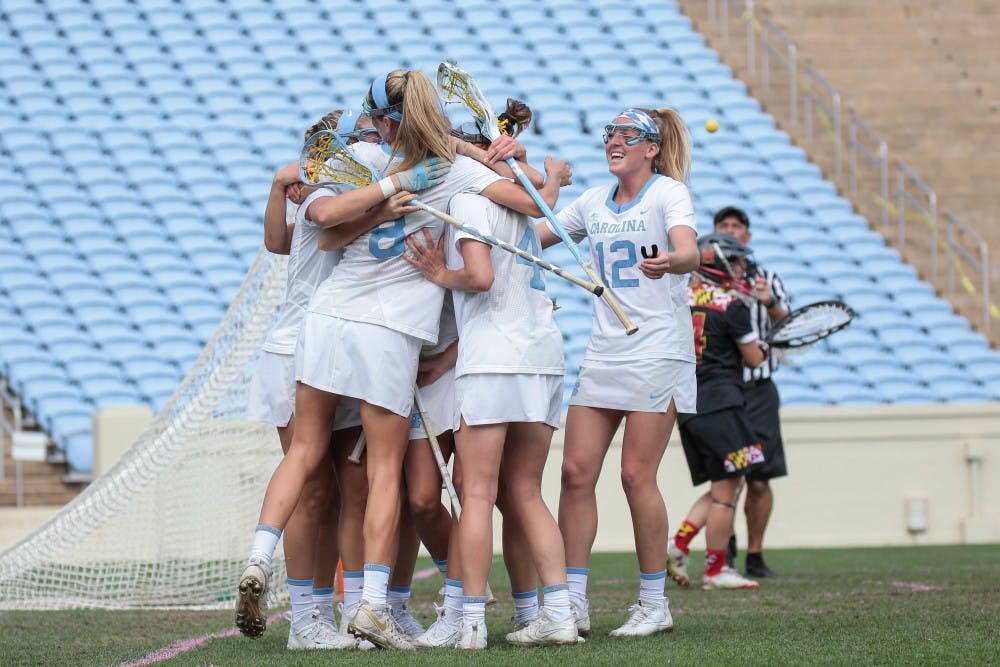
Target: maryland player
[719,441]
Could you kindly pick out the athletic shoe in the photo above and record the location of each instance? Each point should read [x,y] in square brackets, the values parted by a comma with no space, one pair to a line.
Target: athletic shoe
[756,567]
[443,633]
[320,634]
[645,619]
[343,631]
[677,564]
[410,626]
[727,579]
[375,623]
[581,614]
[544,631]
[473,637]
[251,600]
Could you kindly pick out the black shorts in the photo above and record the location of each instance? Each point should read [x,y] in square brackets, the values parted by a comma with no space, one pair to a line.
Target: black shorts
[762,403]
[720,445]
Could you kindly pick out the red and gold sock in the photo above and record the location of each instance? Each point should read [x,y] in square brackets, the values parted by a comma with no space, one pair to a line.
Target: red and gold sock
[715,560]
[684,535]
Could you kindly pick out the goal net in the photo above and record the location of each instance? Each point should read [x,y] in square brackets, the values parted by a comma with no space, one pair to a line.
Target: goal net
[170,525]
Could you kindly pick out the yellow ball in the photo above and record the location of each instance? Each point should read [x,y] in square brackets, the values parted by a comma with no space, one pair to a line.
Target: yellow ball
[711,125]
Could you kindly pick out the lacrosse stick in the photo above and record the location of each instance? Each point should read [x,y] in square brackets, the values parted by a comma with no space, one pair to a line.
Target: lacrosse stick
[436,448]
[457,86]
[809,324]
[327,159]
[359,448]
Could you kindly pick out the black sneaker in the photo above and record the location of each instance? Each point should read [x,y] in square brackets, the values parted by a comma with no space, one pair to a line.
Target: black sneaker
[731,551]
[756,567]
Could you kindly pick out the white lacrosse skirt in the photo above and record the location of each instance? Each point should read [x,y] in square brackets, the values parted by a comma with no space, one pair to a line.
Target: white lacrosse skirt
[271,396]
[503,398]
[640,385]
[369,362]
[439,402]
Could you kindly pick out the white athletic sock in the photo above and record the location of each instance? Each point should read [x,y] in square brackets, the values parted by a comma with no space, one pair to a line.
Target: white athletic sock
[398,597]
[576,578]
[323,601]
[525,606]
[474,610]
[453,597]
[353,586]
[376,583]
[301,593]
[651,587]
[265,541]
[557,601]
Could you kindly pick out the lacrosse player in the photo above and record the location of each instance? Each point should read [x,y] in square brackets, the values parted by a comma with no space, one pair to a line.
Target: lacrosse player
[310,544]
[642,236]
[761,395]
[719,442]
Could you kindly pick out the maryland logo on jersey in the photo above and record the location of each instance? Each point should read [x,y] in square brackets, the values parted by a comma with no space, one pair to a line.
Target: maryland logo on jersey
[709,296]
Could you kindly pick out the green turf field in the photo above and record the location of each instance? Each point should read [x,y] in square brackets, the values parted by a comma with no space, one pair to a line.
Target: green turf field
[899,606]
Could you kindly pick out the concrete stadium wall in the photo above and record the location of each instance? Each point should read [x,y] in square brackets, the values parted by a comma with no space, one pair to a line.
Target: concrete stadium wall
[858,476]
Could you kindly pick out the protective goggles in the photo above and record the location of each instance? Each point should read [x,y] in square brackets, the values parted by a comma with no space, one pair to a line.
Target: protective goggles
[368,134]
[630,132]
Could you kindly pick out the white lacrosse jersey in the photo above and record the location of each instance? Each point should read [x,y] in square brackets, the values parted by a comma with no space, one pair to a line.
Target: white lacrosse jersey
[509,328]
[447,330]
[617,235]
[308,266]
[373,283]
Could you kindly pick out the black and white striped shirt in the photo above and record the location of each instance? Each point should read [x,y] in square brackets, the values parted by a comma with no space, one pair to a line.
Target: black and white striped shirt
[762,324]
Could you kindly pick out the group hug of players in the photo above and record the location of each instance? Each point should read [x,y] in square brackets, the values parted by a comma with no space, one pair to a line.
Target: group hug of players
[383,302]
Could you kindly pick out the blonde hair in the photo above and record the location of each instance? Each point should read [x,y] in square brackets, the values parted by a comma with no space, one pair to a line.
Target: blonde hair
[674,159]
[327,122]
[424,130]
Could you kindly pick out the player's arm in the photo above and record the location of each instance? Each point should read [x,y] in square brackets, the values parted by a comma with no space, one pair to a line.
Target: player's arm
[683,258]
[277,232]
[513,196]
[338,236]
[332,211]
[431,368]
[754,353]
[475,276]
[770,299]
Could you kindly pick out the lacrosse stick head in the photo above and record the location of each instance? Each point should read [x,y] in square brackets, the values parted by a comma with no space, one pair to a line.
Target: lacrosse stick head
[457,85]
[326,158]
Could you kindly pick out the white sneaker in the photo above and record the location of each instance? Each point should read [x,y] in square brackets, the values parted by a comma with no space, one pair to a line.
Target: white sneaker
[320,634]
[251,599]
[375,623]
[445,632]
[645,619]
[410,626]
[473,636]
[544,631]
[344,631]
[581,614]
[727,579]
[677,564]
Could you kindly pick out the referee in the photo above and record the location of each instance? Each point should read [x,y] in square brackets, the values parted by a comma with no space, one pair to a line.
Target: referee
[761,395]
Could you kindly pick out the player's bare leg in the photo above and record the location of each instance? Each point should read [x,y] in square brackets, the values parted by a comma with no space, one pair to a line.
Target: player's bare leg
[525,453]
[387,435]
[724,495]
[480,449]
[517,560]
[423,487]
[353,481]
[310,442]
[643,445]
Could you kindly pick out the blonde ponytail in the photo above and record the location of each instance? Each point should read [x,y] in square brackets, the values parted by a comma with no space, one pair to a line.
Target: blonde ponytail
[424,130]
[674,159]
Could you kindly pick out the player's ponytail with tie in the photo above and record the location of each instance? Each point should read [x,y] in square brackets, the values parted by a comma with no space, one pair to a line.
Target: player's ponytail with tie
[410,99]
[674,159]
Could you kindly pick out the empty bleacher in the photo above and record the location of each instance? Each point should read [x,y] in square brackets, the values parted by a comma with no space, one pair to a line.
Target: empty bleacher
[137,143]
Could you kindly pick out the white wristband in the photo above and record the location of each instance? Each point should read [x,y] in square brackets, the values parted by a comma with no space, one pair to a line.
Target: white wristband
[388,189]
